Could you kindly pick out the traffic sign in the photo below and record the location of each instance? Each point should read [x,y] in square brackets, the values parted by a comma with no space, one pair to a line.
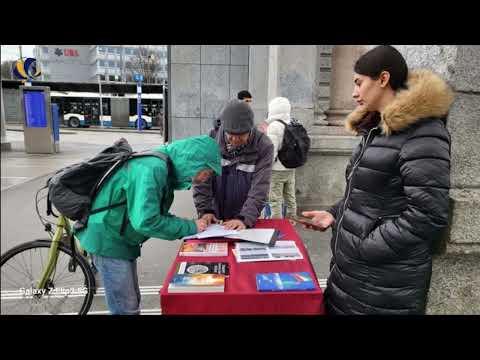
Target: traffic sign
[138,77]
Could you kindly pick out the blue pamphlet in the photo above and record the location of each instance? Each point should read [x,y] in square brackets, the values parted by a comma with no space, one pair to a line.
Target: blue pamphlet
[284,281]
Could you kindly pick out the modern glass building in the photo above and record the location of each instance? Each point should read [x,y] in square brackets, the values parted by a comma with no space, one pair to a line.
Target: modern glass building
[93,62]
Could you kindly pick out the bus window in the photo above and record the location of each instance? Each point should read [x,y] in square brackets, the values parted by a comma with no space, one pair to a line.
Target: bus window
[74,105]
[106,108]
[91,110]
[145,109]
[133,107]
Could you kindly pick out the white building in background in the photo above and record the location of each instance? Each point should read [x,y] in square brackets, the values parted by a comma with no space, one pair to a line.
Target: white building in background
[89,62]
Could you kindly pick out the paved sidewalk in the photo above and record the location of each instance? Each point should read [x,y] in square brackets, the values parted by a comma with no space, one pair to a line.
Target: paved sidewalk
[68,130]
[23,174]
[18,167]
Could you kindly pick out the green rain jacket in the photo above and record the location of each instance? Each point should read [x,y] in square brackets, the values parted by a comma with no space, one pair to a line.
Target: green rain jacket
[144,184]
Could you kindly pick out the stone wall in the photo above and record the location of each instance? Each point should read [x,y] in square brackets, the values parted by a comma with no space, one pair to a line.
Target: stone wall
[202,79]
[455,287]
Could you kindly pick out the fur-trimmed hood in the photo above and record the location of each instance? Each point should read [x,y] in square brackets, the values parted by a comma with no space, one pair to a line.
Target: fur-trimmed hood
[427,95]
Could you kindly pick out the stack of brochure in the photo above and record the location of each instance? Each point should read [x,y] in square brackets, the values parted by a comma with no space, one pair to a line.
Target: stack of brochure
[197,283]
[204,249]
[283,250]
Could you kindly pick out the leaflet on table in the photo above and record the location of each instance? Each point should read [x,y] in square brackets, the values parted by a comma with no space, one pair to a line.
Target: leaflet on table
[263,236]
[214,230]
[192,267]
[283,250]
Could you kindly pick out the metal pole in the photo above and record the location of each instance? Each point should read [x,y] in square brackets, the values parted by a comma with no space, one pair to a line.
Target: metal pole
[101,105]
[4,131]
[122,60]
[139,106]
[20,50]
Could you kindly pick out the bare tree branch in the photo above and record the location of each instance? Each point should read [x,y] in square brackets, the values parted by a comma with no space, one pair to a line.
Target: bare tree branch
[146,61]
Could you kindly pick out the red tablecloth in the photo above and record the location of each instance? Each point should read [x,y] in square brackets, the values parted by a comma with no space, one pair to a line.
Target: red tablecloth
[241,295]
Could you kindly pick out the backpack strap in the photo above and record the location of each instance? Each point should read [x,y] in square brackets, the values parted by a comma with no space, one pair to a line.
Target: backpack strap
[106,208]
[286,125]
[157,154]
[49,206]
[283,122]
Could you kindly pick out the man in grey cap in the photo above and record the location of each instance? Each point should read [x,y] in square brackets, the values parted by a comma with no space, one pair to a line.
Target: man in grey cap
[238,196]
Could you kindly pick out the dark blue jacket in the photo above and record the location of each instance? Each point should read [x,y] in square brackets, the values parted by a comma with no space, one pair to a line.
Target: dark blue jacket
[241,191]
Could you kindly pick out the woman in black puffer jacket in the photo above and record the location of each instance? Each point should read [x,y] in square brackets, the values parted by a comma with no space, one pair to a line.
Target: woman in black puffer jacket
[396,200]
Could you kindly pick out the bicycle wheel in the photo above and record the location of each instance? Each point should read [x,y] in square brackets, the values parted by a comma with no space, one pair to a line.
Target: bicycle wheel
[68,291]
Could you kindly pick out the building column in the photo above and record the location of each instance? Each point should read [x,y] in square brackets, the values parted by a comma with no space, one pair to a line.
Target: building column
[342,104]
[321,182]
[306,76]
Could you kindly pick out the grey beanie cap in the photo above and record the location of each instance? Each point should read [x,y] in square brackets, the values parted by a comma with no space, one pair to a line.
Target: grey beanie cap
[237,117]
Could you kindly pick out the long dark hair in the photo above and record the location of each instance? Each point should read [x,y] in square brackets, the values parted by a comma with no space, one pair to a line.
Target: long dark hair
[384,58]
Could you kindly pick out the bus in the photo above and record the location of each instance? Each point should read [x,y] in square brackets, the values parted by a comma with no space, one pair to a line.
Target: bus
[82,109]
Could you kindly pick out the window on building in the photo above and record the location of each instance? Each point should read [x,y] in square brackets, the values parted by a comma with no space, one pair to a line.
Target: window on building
[111,77]
[101,49]
[101,62]
[119,50]
[102,77]
[127,51]
[111,49]
[111,63]
[44,49]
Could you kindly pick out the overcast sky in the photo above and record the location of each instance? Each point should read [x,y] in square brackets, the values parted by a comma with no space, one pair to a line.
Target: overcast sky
[11,52]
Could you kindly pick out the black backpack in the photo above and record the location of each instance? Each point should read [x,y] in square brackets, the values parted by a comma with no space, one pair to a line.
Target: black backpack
[296,143]
[73,188]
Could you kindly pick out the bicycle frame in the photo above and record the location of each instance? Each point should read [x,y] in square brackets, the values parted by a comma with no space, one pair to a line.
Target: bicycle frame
[63,226]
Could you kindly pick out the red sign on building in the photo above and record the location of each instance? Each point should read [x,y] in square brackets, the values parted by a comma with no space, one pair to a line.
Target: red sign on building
[71,52]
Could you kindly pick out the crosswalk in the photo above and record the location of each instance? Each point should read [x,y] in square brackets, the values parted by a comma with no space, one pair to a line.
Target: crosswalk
[154,290]
[144,291]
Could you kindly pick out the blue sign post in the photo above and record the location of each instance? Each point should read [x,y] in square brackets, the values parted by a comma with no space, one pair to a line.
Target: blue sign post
[139,78]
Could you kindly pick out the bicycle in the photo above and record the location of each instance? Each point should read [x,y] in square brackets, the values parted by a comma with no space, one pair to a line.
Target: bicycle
[63,284]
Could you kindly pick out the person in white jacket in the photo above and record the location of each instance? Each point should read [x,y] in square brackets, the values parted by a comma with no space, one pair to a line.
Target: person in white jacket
[282,185]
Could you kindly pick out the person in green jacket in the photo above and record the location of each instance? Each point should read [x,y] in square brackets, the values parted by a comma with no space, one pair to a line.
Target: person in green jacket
[114,237]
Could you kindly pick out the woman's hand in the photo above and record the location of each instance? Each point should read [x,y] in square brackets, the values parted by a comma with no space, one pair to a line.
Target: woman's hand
[321,219]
